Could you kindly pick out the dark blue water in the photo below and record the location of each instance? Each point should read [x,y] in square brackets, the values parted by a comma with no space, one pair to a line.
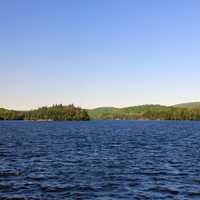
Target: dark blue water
[100,160]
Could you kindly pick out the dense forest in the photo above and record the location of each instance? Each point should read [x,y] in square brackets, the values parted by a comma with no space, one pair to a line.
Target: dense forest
[147,112]
[53,113]
[70,112]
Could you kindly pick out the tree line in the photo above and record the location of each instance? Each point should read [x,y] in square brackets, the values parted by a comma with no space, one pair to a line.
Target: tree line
[146,112]
[70,112]
[53,113]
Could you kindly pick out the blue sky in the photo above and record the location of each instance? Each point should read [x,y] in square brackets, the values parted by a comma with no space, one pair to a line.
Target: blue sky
[99,52]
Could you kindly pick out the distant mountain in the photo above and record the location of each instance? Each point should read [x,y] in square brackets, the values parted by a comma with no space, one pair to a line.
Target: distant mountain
[189,111]
[186,111]
[188,105]
[133,112]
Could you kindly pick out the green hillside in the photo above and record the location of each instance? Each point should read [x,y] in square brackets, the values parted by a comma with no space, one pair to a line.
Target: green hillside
[188,111]
[146,112]
[102,112]
[188,105]
[134,112]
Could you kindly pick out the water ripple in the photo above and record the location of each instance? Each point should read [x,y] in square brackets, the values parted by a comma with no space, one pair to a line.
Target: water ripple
[99,160]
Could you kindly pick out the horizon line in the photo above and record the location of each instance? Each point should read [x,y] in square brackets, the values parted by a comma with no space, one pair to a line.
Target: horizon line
[95,107]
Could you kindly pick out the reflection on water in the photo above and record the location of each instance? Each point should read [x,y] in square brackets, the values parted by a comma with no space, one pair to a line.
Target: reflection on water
[100,160]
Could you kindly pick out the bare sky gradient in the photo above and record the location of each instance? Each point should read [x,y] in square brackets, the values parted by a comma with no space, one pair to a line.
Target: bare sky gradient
[99,53]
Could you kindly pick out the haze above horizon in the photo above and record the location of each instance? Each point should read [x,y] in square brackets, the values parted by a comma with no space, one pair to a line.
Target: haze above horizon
[99,53]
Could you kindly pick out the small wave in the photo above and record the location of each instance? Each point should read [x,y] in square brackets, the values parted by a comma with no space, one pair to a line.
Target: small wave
[36,178]
[164,190]
[151,173]
[12,198]
[10,173]
[54,188]
[196,181]
[194,194]
[6,187]
[109,186]
[60,188]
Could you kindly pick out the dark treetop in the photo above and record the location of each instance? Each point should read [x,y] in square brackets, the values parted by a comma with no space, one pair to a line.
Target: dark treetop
[53,113]
[70,112]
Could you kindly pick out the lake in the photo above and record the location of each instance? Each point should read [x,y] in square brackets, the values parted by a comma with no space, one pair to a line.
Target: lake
[100,160]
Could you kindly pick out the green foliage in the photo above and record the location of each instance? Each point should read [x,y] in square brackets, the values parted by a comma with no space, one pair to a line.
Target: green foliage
[102,112]
[70,112]
[188,105]
[53,113]
[146,112]
[11,114]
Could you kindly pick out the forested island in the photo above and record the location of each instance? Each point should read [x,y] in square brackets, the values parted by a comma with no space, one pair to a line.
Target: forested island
[71,113]
[52,113]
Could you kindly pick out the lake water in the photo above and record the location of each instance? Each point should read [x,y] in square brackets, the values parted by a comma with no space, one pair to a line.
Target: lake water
[100,160]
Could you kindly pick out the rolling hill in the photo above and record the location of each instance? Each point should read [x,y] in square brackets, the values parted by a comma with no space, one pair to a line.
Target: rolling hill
[188,105]
[186,111]
[134,112]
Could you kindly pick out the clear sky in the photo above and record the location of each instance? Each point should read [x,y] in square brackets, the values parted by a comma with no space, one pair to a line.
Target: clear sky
[99,52]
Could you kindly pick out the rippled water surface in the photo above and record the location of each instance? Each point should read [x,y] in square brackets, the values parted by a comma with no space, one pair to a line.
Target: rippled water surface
[100,160]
